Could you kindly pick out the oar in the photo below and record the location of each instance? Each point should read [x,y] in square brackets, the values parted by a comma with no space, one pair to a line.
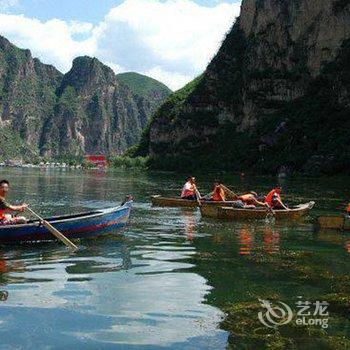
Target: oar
[228,191]
[198,195]
[55,232]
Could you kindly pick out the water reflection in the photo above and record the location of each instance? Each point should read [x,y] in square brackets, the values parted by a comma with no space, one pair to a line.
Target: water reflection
[132,289]
[335,238]
[271,240]
[136,290]
[252,238]
[162,283]
[246,239]
[190,222]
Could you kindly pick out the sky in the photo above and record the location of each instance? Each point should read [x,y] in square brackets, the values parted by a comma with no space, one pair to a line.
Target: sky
[169,40]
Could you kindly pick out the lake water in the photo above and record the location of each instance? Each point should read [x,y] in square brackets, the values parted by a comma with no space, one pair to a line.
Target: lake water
[171,280]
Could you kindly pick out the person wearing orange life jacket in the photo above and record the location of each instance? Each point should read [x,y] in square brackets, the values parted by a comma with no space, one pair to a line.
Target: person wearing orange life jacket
[218,194]
[274,200]
[189,190]
[6,208]
[251,198]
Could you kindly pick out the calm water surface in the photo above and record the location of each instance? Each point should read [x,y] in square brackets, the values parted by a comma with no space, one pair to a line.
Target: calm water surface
[172,280]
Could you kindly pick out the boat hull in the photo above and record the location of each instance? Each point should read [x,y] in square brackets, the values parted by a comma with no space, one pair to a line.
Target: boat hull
[229,213]
[160,201]
[76,226]
[339,222]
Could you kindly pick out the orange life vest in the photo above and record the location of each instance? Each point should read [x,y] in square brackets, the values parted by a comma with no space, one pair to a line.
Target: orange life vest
[269,197]
[218,194]
[348,209]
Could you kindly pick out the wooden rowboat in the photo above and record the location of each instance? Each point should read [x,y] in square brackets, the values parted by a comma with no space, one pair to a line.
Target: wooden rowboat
[230,213]
[335,222]
[160,201]
[82,225]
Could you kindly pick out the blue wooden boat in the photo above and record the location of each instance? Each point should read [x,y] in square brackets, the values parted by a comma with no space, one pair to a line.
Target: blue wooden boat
[81,225]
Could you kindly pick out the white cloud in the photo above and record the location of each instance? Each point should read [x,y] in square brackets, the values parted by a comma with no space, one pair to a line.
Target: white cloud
[50,41]
[172,80]
[6,5]
[76,27]
[171,40]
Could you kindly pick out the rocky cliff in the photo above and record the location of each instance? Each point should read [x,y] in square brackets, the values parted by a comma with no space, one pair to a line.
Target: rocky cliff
[27,98]
[95,113]
[276,95]
[87,110]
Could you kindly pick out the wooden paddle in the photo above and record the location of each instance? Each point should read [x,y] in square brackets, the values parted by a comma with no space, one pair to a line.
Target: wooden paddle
[228,191]
[198,195]
[55,232]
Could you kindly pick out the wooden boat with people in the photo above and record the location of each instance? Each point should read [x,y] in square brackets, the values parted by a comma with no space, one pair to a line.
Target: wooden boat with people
[231,213]
[159,201]
[334,222]
[83,225]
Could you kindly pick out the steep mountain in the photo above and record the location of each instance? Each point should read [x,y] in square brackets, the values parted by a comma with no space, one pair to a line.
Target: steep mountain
[27,98]
[87,110]
[95,113]
[276,95]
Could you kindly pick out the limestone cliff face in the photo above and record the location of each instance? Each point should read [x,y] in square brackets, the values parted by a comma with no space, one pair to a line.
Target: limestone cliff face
[87,110]
[271,61]
[27,92]
[95,113]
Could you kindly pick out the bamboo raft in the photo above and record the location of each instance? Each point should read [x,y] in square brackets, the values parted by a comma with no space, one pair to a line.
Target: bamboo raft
[230,213]
[335,222]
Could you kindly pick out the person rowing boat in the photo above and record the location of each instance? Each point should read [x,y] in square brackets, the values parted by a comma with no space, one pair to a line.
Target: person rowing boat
[5,208]
[251,198]
[189,190]
[274,200]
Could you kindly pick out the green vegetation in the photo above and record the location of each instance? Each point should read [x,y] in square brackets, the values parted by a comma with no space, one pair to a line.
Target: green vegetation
[129,162]
[142,85]
[311,133]
[13,147]
[170,110]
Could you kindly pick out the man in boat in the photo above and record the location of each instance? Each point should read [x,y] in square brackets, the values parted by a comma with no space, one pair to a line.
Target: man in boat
[274,200]
[5,208]
[218,194]
[251,198]
[189,191]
